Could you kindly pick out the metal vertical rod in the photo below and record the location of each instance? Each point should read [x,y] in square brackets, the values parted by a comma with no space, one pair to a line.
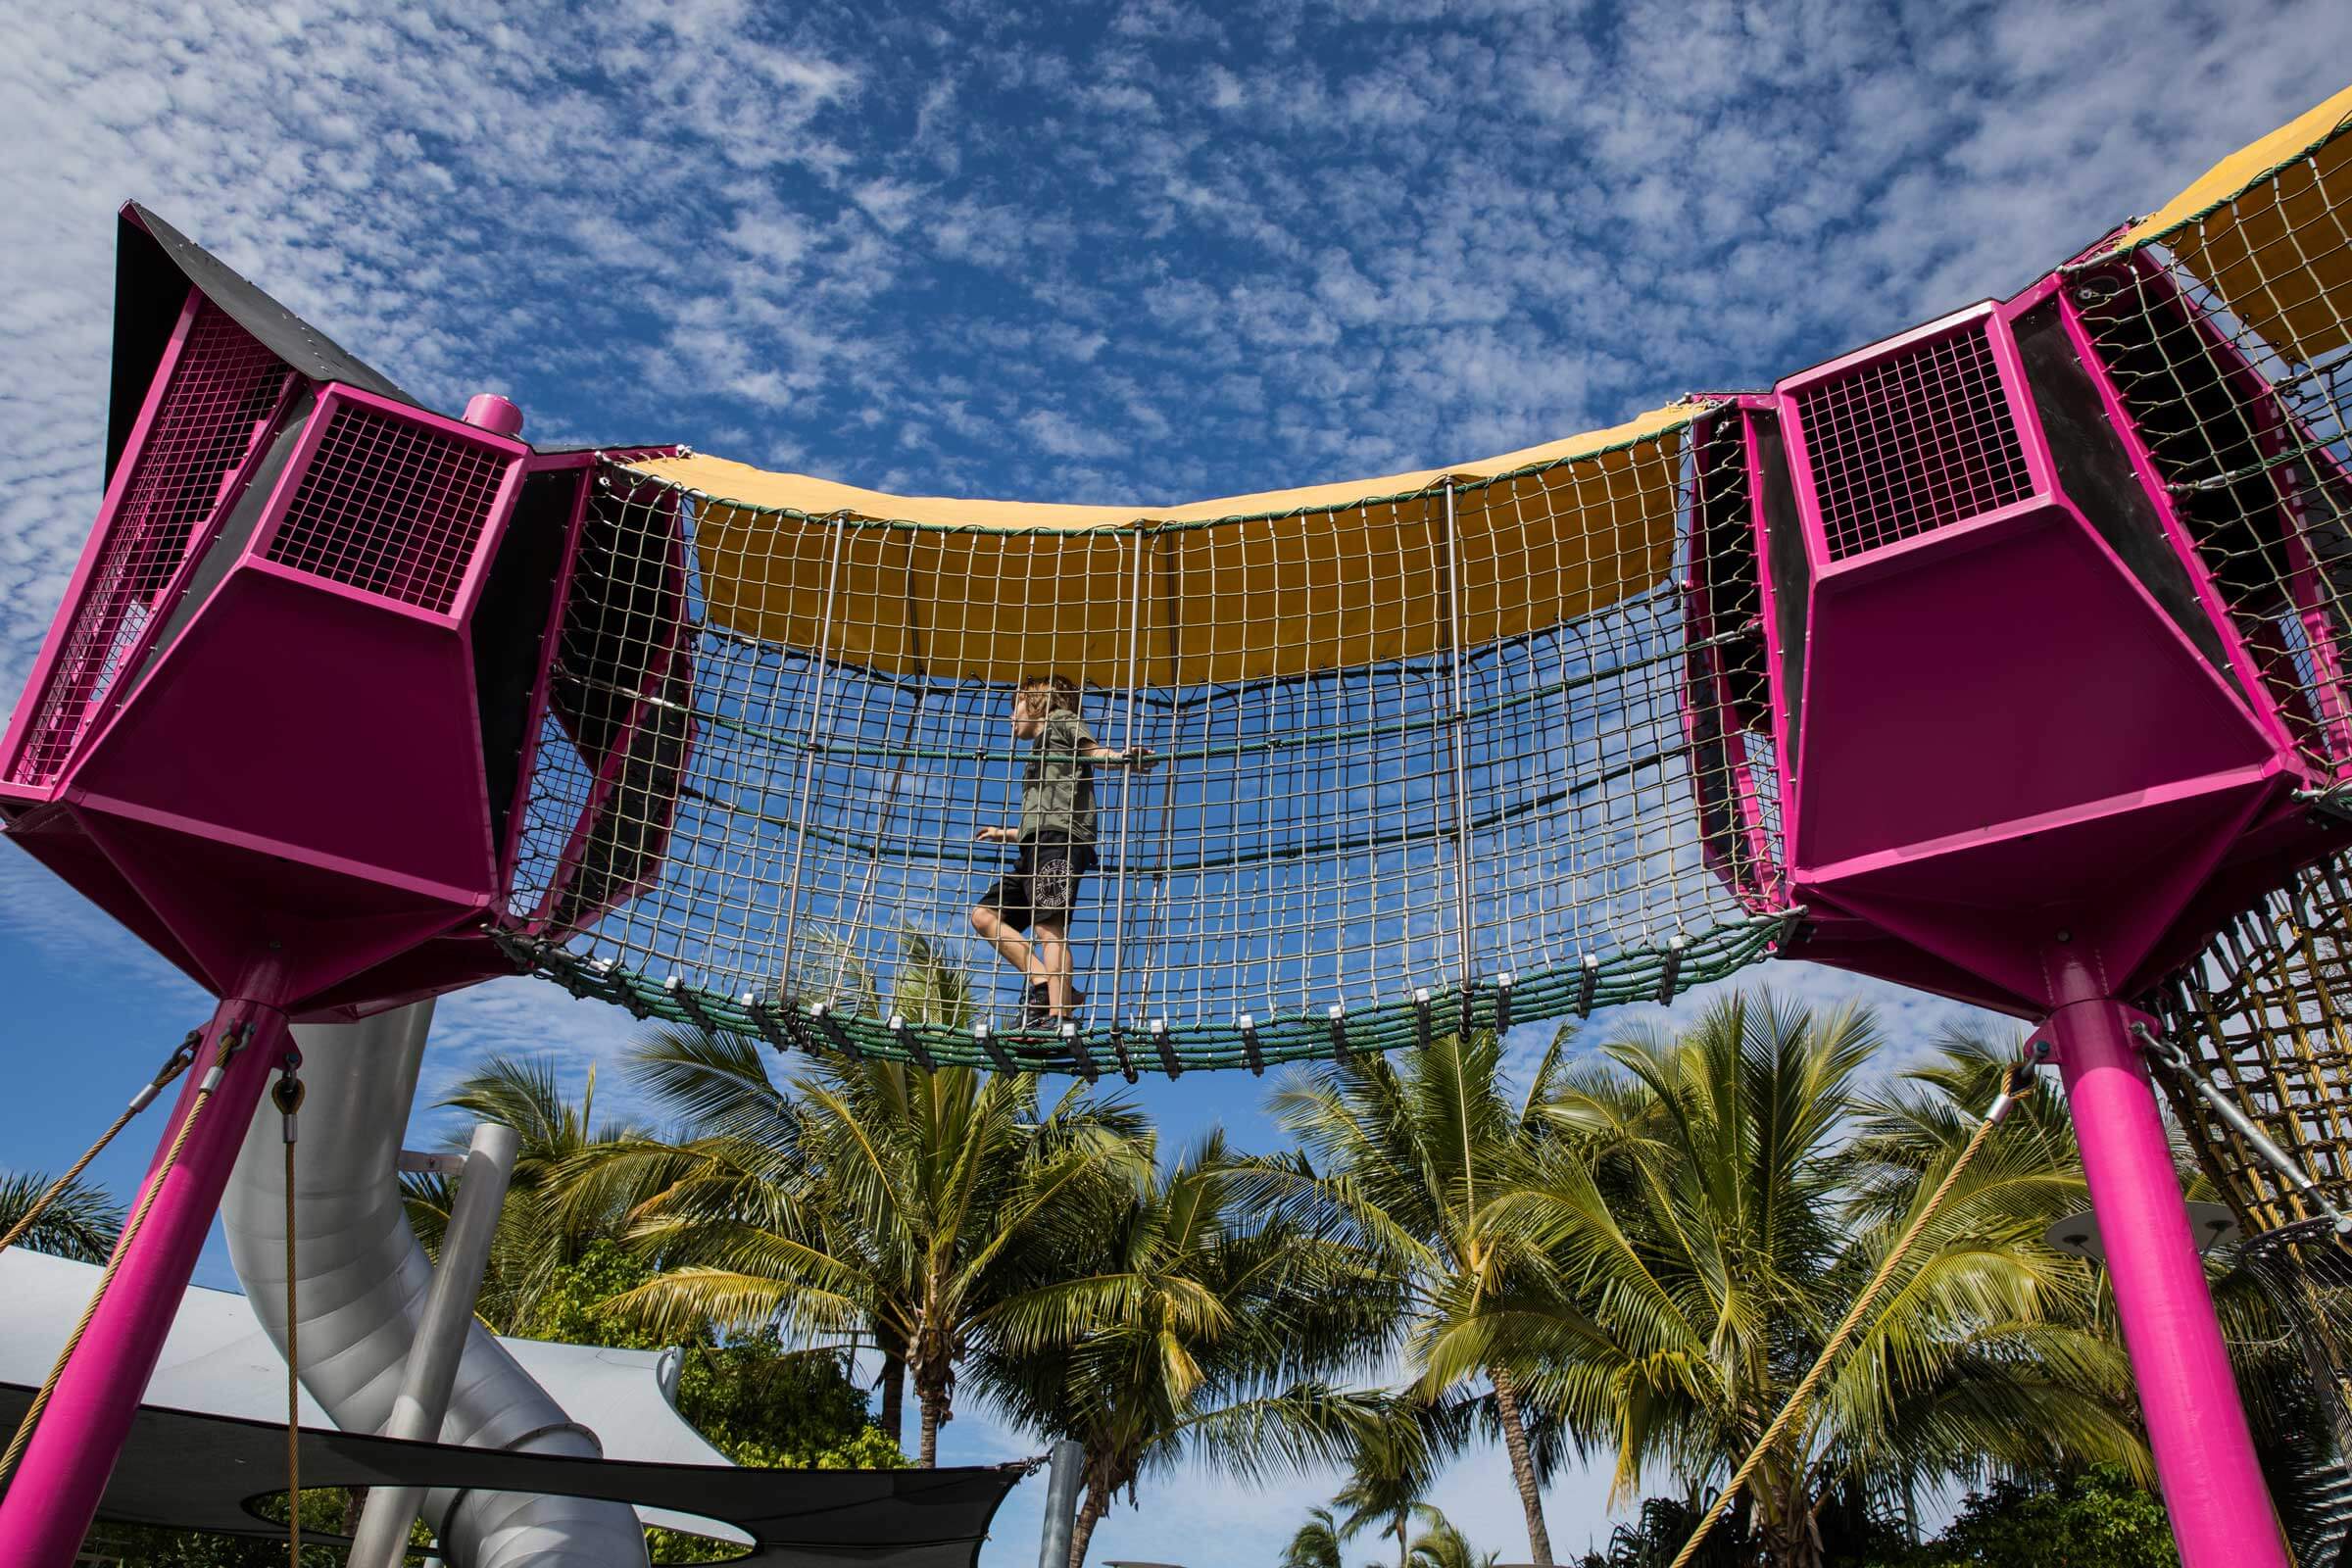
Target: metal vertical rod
[1061,1504]
[816,714]
[1460,742]
[1135,648]
[873,859]
[1155,916]
[383,1538]
[2205,1466]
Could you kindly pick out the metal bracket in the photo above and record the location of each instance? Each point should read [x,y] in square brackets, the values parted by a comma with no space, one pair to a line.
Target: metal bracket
[822,1012]
[986,1039]
[908,1040]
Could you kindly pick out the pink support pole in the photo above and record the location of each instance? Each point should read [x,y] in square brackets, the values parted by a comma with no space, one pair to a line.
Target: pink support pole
[2213,1489]
[54,1493]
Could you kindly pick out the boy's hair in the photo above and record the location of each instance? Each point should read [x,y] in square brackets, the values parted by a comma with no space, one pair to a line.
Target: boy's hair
[1065,692]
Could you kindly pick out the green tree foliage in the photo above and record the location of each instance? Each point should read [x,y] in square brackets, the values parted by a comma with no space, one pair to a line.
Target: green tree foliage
[546,1222]
[1158,1318]
[2097,1517]
[1711,1214]
[1403,1156]
[79,1223]
[1441,1544]
[757,1402]
[1320,1543]
[870,1199]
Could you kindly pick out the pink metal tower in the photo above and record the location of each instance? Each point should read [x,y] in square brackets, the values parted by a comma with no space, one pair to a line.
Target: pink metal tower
[281,731]
[2029,745]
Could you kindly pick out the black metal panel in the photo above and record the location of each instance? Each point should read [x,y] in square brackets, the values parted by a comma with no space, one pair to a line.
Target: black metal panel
[1785,563]
[154,265]
[2096,471]
[511,628]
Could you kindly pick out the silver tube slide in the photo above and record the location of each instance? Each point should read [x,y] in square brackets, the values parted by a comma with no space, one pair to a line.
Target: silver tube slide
[359,1291]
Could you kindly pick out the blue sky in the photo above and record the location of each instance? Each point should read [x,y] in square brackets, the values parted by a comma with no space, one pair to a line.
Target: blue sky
[1131,251]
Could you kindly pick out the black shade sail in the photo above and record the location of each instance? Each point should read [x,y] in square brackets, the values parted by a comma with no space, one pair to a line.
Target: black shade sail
[185,1471]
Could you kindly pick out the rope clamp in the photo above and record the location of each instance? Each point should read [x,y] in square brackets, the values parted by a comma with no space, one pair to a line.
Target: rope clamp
[765,1022]
[681,995]
[1079,1055]
[822,1012]
[1421,1015]
[1587,987]
[1249,1047]
[1167,1051]
[910,1043]
[1673,970]
[287,1093]
[1339,1033]
[1502,1001]
[182,1057]
[231,1042]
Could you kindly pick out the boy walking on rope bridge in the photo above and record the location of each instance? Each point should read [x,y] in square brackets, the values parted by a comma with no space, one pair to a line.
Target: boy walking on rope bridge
[1056,846]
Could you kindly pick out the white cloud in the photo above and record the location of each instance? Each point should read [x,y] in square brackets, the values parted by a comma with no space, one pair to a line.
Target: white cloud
[1164,252]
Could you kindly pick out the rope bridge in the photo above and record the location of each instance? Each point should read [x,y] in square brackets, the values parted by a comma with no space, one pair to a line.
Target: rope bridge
[1473,747]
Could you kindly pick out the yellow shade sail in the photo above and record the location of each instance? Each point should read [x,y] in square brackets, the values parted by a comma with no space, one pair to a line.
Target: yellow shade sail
[2264,229]
[1279,584]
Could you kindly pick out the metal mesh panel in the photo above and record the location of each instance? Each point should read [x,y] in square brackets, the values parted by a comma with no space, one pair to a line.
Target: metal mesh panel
[391,507]
[215,410]
[1910,443]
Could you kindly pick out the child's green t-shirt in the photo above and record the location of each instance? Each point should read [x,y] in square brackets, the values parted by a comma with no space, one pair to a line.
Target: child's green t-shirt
[1057,786]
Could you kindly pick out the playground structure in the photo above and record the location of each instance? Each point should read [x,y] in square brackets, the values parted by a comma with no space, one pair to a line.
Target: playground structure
[2005,658]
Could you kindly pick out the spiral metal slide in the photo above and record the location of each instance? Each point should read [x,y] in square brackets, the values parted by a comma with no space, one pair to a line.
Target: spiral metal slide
[360,1287]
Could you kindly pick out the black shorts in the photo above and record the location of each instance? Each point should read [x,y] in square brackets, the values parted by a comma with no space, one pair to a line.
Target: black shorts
[1043,884]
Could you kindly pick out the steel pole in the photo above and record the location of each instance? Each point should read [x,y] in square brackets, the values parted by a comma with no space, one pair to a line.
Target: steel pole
[1061,1504]
[54,1492]
[383,1538]
[2213,1488]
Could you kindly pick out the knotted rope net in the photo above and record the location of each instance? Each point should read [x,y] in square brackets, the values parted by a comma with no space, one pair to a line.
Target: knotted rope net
[1413,758]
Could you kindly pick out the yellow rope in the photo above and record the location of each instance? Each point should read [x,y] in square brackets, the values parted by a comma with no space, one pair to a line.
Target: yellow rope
[1853,1316]
[172,1069]
[287,1095]
[230,1044]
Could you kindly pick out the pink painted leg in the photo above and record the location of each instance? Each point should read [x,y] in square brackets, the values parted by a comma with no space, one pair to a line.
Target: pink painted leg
[54,1495]
[2213,1489]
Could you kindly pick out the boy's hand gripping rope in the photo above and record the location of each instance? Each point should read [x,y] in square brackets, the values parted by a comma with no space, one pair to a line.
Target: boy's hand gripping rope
[177,1063]
[1995,1115]
[232,1040]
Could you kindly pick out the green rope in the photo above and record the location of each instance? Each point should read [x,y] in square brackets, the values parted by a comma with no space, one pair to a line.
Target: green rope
[1630,975]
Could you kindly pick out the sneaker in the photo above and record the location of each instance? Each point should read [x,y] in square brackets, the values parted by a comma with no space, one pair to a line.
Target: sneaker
[1037,1007]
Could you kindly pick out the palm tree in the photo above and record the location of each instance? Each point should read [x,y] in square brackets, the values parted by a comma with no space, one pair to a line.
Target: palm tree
[1393,1465]
[544,1224]
[1403,1160]
[80,1222]
[1317,1543]
[871,1199]
[1162,1320]
[1442,1545]
[1711,1219]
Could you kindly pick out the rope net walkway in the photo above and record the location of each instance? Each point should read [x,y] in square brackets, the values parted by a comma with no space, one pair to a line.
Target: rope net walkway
[1483,746]
[1508,793]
